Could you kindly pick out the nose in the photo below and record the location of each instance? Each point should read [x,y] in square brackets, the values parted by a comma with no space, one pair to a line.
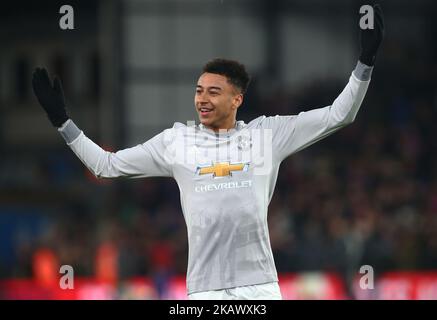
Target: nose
[202,98]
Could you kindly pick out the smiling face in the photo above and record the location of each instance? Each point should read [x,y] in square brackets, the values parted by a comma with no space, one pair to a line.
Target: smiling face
[217,101]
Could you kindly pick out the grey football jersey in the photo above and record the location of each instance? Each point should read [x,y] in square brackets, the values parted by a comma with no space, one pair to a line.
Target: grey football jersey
[226,181]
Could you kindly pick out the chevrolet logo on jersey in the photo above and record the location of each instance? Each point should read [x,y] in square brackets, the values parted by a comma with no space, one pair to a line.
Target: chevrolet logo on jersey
[222,169]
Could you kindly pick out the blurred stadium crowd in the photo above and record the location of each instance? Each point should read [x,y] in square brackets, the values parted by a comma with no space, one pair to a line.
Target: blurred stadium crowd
[366,195]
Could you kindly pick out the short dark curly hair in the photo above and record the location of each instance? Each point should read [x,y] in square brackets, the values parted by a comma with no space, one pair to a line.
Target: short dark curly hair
[234,71]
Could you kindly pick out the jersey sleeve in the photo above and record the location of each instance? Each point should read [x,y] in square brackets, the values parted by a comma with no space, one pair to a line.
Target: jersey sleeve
[150,159]
[291,134]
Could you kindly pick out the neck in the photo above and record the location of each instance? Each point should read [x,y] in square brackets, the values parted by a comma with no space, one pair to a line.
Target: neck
[224,128]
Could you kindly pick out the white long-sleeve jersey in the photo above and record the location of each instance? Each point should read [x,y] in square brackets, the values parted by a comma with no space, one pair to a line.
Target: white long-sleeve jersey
[226,181]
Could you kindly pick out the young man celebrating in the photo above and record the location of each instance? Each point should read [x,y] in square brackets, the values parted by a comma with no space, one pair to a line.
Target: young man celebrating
[226,170]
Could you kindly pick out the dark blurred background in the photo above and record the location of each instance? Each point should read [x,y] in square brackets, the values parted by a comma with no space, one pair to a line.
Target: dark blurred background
[366,195]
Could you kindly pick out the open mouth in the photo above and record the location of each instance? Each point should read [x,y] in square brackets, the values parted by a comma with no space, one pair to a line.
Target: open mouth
[205,111]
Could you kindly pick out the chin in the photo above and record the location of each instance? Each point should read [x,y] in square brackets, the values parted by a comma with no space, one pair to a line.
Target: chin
[205,122]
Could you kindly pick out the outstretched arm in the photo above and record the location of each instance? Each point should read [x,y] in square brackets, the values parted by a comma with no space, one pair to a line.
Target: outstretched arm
[144,160]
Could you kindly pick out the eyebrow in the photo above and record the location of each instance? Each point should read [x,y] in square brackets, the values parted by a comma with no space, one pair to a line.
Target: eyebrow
[209,88]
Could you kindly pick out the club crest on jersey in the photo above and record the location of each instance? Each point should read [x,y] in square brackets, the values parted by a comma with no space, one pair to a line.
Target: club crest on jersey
[244,142]
[222,169]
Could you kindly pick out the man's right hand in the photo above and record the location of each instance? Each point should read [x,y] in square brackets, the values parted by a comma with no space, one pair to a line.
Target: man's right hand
[50,97]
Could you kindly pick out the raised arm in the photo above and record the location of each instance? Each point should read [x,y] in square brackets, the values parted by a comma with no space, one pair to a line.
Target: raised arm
[144,160]
[294,133]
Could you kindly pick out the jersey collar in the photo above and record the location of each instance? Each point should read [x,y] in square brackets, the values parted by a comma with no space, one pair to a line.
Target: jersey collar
[238,126]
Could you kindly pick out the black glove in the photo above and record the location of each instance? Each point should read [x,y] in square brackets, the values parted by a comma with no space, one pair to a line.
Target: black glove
[50,97]
[371,38]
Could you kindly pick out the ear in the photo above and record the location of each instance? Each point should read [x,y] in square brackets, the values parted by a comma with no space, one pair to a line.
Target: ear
[237,101]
